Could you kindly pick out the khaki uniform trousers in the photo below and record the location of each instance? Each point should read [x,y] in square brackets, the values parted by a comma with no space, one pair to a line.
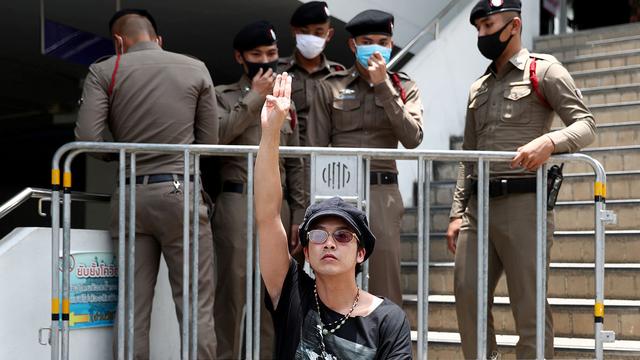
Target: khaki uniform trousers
[159,212]
[230,242]
[385,220]
[512,250]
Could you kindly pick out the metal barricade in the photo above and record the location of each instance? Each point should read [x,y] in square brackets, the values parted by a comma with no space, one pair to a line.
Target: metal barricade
[60,342]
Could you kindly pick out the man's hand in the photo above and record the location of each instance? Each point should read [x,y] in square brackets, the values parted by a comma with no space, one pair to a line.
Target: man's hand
[452,234]
[277,106]
[533,154]
[377,69]
[262,82]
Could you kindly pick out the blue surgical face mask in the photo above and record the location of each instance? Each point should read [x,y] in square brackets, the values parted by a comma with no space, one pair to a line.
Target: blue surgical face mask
[364,52]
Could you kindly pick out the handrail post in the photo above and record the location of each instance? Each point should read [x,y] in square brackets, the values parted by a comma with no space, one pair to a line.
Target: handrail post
[424,228]
[195,273]
[131,258]
[541,256]
[121,253]
[185,257]
[482,254]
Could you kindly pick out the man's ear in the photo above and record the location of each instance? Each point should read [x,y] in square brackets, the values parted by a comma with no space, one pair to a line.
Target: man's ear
[330,34]
[517,26]
[305,250]
[159,40]
[360,255]
[118,44]
[238,56]
[352,44]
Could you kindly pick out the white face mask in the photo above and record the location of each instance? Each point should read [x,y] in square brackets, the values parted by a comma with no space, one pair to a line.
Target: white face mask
[310,46]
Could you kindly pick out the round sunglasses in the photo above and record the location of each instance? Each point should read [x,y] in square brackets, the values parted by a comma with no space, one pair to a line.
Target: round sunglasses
[318,236]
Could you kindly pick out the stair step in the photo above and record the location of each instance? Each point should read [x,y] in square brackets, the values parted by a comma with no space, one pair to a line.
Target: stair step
[572,317]
[569,216]
[622,75]
[610,46]
[446,346]
[566,280]
[615,113]
[586,37]
[603,60]
[620,185]
[613,158]
[568,246]
[611,94]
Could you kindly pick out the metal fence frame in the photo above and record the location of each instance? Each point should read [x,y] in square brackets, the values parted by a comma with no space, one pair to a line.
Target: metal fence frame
[425,160]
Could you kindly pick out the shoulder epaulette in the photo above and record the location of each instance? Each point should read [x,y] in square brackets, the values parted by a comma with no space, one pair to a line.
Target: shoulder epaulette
[337,74]
[103,58]
[402,75]
[545,57]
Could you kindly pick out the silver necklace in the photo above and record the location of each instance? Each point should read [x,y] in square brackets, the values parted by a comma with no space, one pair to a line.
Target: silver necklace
[325,329]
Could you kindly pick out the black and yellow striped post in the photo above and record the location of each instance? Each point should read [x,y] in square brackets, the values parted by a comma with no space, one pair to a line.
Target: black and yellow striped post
[599,198]
[66,252]
[55,262]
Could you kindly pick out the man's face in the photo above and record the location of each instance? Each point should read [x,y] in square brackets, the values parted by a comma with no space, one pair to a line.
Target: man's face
[490,24]
[371,39]
[320,30]
[260,55]
[333,257]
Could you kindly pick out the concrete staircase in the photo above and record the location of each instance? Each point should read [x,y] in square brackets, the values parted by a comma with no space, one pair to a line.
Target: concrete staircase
[605,64]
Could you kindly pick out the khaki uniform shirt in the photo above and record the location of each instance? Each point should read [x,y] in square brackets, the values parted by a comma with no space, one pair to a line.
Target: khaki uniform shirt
[303,86]
[350,112]
[505,113]
[158,97]
[239,115]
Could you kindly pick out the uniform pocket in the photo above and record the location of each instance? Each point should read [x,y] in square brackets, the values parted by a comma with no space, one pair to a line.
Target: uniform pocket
[477,105]
[380,116]
[516,100]
[298,93]
[345,113]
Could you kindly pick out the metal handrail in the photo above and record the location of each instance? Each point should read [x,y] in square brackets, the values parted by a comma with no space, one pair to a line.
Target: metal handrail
[45,194]
[434,22]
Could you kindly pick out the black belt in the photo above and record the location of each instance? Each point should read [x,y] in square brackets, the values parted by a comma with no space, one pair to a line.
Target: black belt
[501,187]
[158,178]
[234,187]
[383,178]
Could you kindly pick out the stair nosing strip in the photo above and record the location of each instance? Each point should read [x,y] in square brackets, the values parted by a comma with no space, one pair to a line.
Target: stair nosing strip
[593,44]
[600,56]
[613,105]
[631,346]
[585,73]
[553,265]
[504,300]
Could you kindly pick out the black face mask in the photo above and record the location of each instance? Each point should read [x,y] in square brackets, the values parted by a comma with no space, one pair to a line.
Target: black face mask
[253,68]
[490,46]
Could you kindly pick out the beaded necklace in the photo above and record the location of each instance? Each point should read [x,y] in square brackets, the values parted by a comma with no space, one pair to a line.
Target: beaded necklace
[325,329]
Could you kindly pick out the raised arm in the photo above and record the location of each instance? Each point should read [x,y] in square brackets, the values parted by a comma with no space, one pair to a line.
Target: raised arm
[274,251]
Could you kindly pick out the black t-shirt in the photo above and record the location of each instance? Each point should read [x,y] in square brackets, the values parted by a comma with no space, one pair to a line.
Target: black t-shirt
[383,334]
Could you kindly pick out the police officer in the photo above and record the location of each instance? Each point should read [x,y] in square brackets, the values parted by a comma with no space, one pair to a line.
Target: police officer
[511,108]
[367,106]
[147,95]
[239,105]
[311,26]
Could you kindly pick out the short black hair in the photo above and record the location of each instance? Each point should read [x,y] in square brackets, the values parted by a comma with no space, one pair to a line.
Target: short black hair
[141,12]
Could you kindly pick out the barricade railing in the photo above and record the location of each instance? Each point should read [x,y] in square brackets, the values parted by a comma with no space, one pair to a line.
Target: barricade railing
[425,158]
